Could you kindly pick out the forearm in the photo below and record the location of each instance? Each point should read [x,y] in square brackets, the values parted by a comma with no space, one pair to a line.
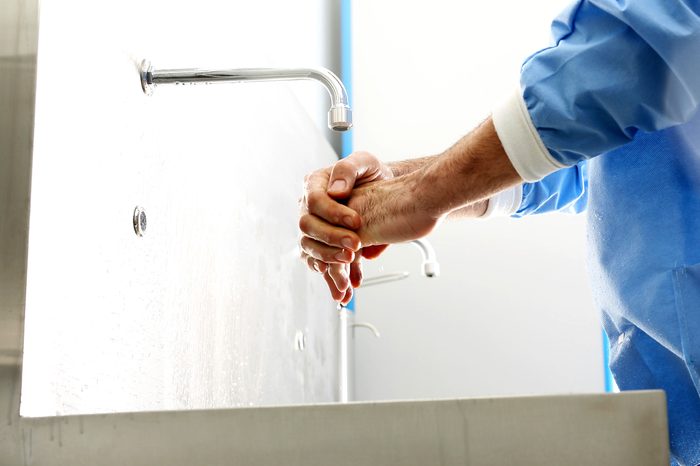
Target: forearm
[404,167]
[467,174]
[409,206]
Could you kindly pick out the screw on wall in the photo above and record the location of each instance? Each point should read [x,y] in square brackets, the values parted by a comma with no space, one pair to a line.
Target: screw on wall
[140,222]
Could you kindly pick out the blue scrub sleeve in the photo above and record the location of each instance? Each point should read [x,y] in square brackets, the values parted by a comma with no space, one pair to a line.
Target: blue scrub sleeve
[617,67]
[565,190]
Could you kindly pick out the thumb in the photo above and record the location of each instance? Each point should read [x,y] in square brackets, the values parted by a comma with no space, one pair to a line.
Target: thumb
[346,173]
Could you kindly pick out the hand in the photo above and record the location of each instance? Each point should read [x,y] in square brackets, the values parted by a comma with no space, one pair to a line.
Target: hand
[394,210]
[458,181]
[329,245]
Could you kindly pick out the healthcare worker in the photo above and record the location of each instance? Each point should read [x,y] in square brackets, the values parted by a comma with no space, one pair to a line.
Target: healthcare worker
[606,118]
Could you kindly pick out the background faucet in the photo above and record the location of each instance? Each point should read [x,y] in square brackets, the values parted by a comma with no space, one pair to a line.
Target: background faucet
[339,115]
[429,267]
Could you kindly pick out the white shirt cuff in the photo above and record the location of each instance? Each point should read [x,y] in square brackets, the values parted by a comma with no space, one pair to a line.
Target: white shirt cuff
[504,203]
[521,141]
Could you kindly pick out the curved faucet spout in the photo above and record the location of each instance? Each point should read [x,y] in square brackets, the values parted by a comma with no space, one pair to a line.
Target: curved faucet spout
[339,114]
[431,268]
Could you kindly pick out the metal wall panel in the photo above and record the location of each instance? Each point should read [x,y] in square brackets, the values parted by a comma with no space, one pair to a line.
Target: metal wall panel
[18,43]
[204,310]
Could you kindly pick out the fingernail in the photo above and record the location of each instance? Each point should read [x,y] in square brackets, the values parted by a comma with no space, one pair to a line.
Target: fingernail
[317,267]
[338,186]
[347,243]
[342,255]
[349,221]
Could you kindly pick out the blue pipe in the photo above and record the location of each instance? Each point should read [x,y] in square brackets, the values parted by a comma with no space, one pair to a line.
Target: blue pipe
[346,66]
[346,77]
[606,364]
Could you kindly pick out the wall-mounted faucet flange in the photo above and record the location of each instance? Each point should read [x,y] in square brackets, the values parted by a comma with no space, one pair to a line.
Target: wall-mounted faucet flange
[140,221]
[145,72]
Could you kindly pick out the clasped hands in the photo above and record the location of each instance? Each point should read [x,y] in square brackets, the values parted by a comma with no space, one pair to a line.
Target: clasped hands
[357,207]
[353,210]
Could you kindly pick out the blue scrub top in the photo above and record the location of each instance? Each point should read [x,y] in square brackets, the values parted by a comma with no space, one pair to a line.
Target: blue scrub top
[616,100]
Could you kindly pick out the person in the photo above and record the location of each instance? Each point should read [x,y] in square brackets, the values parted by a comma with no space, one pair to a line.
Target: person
[606,119]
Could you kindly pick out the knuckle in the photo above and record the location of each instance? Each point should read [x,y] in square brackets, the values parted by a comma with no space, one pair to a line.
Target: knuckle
[310,263]
[305,223]
[343,165]
[311,180]
[338,271]
[328,255]
[327,238]
[366,157]
[313,200]
[333,238]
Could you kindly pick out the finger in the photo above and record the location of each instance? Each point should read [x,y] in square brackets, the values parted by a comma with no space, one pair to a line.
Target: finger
[372,252]
[356,271]
[326,233]
[316,181]
[320,266]
[336,294]
[310,262]
[339,276]
[346,172]
[326,253]
[313,264]
[316,265]
[319,203]
[348,296]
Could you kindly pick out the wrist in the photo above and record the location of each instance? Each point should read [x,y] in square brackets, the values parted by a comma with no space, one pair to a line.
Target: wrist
[430,187]
[476,210]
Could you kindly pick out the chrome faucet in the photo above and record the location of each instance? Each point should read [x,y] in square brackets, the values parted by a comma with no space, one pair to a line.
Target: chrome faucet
[339,115]
[431,268]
